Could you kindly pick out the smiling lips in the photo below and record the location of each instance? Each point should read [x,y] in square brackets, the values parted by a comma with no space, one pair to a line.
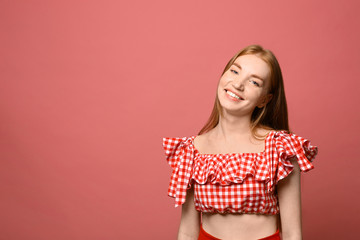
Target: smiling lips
[234,95]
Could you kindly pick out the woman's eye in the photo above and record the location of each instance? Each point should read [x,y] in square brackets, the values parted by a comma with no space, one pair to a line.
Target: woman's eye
[234,71]
[255,83]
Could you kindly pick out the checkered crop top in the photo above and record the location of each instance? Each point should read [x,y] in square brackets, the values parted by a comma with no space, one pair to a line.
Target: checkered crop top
[235,182]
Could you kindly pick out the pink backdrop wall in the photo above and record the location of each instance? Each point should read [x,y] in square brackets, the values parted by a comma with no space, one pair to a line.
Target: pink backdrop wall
[89,88]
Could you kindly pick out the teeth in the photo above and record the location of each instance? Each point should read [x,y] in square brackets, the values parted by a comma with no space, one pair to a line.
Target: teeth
[232,94]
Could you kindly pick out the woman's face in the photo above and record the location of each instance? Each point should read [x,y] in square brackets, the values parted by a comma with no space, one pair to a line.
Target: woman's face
[249,79]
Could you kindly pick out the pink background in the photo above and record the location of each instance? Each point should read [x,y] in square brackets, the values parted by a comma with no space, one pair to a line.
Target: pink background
[89,88]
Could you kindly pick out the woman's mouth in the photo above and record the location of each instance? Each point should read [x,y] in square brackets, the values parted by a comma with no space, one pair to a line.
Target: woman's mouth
[233,96]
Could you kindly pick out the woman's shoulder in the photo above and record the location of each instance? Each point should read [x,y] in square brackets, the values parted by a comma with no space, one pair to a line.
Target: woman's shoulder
[202,140]
[262,131]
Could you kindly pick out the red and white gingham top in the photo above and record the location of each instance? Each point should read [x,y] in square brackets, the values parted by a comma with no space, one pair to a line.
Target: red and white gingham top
[235,182]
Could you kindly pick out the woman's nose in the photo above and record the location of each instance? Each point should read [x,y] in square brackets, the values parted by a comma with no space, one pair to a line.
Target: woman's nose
[239,84]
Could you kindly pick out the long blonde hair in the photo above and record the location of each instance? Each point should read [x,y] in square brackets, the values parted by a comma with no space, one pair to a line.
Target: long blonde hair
[274,115]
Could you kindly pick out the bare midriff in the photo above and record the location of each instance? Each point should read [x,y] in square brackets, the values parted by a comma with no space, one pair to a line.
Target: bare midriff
[239,226]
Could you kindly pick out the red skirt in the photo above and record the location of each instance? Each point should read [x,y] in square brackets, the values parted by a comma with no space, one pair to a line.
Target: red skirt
[206,236]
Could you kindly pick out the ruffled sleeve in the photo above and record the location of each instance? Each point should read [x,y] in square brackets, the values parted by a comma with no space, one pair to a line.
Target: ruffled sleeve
[179,154]
[285,146]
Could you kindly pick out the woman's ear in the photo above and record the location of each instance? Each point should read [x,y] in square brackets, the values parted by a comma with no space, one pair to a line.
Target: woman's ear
[265,100]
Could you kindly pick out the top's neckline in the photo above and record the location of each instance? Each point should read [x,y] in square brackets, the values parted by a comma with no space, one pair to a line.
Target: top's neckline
[231,154]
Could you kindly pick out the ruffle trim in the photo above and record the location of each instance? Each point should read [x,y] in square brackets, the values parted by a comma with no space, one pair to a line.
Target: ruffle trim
[229,169]
[179,154]
[269,166]
[290,145]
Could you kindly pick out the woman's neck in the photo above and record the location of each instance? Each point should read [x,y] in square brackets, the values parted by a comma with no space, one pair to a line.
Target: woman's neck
[233,127]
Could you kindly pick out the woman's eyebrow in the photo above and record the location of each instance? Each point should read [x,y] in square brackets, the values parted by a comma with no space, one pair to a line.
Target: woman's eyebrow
[252,75]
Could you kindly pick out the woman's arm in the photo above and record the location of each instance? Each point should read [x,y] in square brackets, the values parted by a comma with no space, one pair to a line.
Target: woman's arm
[289,193]
[190,219]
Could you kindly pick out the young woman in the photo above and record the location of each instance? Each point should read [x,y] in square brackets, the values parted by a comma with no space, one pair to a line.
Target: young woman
[239,178]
